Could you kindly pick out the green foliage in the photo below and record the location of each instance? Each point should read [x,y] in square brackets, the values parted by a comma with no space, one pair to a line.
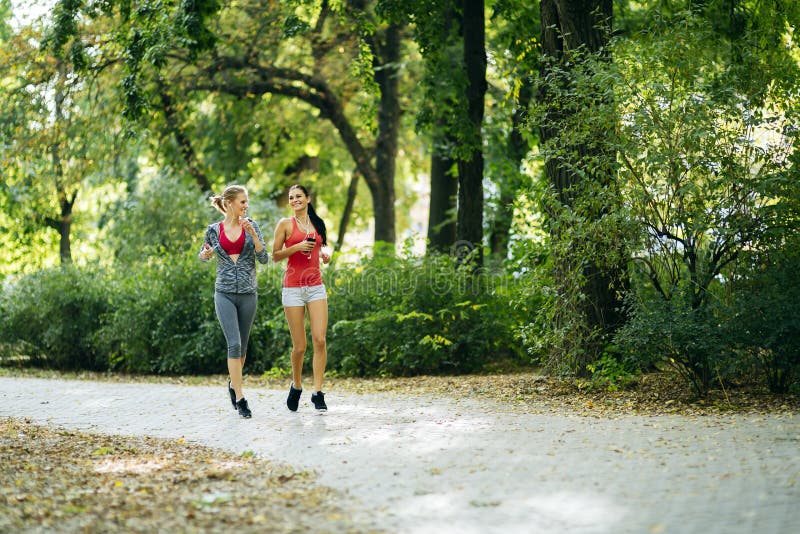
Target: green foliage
[5,15]
[672,332]
[390,317]
[59,146]
[766,321]
[698,159]
[162,320]
[52,315]
[409,316]
[161,218]
[611,374]
[705,173]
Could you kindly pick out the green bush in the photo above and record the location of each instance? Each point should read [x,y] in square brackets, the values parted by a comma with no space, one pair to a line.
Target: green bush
[766,323]
[388,316]
[52,316]
[671,332]
[412,316]
[612,373]
[164,322]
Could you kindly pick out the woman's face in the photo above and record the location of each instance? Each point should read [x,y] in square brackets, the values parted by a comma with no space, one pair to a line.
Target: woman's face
[239,205]
[298,200]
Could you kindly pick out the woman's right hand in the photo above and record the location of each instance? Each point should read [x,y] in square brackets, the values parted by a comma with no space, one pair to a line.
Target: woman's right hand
[306,246]
[207,252]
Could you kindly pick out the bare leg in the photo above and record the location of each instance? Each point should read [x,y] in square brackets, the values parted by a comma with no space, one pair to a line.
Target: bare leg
[235,367]
[296,316]
[318,317]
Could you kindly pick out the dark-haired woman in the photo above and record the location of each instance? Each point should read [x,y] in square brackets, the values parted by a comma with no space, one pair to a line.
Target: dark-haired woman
[237,243]
[301,239]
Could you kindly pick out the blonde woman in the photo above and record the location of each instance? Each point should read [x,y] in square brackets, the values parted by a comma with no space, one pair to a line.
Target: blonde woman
[237,243]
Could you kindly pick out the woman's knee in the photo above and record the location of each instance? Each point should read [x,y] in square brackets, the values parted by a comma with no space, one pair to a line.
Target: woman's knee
[234,351]
[318,341]
[299,348]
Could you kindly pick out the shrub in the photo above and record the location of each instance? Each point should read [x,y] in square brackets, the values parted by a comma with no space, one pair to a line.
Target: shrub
[672,332]
[53,314]
[766,323]
[164,322]
[416,316]
[612,373]
[162,311]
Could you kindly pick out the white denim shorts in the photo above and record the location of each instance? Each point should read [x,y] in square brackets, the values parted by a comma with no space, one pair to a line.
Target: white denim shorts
[300,296]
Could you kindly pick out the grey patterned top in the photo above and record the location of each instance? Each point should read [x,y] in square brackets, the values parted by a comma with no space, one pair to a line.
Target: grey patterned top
[239,276]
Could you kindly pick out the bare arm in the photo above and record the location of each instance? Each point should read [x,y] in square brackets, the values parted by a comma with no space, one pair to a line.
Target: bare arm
[282,233]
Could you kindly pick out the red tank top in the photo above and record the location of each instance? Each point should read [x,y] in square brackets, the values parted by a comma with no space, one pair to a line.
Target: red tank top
[230,247]
[302,269]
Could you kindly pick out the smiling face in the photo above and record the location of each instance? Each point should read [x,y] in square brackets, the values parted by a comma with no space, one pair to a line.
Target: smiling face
[238,206]
[298,200]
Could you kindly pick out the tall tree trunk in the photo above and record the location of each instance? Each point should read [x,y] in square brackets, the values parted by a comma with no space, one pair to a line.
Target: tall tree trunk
[568,25]
[444,188]
[386,76]
[352,189]
[470,169]
[66,203]
[63,225]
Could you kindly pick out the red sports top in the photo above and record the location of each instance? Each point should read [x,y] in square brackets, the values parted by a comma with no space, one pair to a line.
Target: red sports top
[230,247]
[302,269]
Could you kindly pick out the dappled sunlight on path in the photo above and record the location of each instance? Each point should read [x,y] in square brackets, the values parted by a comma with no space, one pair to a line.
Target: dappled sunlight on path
[417,464]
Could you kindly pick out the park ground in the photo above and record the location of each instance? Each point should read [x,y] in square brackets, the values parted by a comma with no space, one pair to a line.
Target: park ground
[90,452]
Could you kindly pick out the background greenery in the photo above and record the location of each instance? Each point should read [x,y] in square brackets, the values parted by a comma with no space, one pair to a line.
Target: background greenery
[638,188]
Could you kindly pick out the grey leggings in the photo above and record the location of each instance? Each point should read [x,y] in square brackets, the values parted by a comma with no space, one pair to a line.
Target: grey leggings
[236,313]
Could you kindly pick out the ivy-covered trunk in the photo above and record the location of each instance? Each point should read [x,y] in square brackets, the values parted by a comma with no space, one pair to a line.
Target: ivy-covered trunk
[582,178]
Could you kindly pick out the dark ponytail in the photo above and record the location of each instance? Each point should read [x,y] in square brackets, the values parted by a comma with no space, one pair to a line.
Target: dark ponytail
[315,219]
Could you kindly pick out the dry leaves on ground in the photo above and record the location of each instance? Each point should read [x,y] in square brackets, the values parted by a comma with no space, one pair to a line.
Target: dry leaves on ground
[653,394]
[54,480]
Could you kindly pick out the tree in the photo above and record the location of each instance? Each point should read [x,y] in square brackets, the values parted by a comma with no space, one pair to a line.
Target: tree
[247,51]
[580,170]
[57,129]
[469,157]
[451,38]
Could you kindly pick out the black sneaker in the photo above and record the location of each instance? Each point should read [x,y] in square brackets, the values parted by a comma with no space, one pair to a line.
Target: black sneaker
[244,410]
[318,400]
[294,398]
[232,394]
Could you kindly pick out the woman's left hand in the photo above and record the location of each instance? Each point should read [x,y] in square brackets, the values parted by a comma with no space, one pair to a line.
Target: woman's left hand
[325,254]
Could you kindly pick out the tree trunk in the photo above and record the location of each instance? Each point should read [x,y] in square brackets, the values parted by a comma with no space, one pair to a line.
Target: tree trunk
[470,169]
[64,223]
[386,76]
[444,188]
[65,227]
[352,189]
[568,25]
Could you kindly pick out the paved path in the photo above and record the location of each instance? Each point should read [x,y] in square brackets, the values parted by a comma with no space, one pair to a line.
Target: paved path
[423,465]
